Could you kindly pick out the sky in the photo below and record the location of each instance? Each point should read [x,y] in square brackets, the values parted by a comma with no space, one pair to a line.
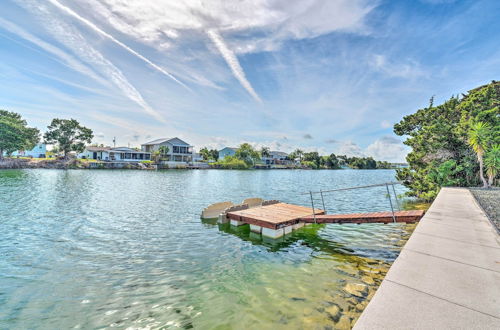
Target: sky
[320,75]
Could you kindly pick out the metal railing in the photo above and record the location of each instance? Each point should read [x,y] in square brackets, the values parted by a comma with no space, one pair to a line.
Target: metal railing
[387,184]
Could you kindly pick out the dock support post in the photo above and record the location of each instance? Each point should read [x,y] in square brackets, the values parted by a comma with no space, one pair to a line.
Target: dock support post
[312,204]
[390,201]
[322,200]
[396,197]
[256,229]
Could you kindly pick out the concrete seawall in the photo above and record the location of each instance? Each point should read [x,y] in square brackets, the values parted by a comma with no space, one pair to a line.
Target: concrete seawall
[447,275]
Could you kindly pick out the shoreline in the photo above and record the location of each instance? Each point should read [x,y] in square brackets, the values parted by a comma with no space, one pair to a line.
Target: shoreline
[36,163]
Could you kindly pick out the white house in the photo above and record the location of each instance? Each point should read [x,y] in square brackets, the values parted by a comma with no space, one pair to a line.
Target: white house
[227,151]
[118,154]
[276,158]
[38,151]
[179,151]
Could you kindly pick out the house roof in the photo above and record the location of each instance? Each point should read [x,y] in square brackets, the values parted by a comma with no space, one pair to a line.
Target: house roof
[174,140]
[91,148]
[230,148]
[278,153]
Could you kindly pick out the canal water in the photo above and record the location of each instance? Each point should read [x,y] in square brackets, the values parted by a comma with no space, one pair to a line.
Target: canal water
[89,249]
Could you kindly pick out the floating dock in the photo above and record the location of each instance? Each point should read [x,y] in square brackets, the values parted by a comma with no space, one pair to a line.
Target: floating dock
[278,219]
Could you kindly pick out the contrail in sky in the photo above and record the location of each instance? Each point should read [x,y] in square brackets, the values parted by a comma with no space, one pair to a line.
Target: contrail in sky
[233,63]
[116,41]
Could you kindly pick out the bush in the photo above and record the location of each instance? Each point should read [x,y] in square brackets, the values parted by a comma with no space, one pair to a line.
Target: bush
[230,162]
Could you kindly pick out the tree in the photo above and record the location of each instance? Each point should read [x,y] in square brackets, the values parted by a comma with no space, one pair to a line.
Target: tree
[247,153]
[214,154]
[15,134]
[479,136]
[312,157]
[68,134]
[163,151]
[205,153]
[492,163]
[439,133]
[265,152]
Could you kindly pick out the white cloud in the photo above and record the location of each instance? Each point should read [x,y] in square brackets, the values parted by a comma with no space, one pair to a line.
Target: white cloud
[349,148]
[232,62]
[72,39]
[408,70]
[387,148]
[247,26]
[385,124]
[94,27]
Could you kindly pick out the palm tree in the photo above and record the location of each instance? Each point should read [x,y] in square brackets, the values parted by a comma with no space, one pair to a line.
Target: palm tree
[492,163]
[478,140]
[299,153]
[205,153]
[265,152]
[163,151]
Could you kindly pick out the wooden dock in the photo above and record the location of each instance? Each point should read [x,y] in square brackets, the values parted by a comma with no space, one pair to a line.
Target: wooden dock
[374,217]
[279,219]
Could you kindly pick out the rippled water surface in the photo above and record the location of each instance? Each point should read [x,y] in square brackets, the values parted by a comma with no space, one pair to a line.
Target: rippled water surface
[127,249]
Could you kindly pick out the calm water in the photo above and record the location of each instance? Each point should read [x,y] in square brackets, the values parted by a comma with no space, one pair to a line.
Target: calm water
[126,249]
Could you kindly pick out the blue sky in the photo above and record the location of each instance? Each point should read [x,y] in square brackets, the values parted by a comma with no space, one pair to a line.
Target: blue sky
[331,76]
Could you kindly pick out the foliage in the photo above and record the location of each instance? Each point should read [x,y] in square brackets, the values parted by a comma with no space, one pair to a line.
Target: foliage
[296,154]
[479,137]
[439,133]
[232,162]
[265,152]
[247,153]
[209,154]
[15,134]
[68,134]
[312,159]
[492,163]
[447,174]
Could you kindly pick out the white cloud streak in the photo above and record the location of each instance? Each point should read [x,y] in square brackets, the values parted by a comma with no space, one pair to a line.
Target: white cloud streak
[116,41]
[61,56]
[232,62]
[70,37]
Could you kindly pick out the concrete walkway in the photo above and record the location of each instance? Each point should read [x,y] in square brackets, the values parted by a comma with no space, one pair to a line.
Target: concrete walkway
[447,275]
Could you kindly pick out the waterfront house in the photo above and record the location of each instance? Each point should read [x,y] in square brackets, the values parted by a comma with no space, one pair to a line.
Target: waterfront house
[119,154]
[277,158]
[227,151]
[38,151]
[179,151]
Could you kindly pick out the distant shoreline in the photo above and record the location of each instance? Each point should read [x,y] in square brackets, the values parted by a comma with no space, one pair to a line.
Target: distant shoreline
[35,163]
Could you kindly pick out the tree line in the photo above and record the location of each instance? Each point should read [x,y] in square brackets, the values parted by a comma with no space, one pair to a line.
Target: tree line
[456,143]
[66,134]
[247,156]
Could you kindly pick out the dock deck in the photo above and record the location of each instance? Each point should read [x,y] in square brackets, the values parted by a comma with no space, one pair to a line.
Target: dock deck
[279,219]
[374,217]
[274,216]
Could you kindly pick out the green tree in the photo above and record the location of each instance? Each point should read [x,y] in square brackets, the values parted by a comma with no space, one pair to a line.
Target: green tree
[479,137]
[247,153]
[214,154]
[312,157]
[332,162]
[265,152]
[163,151]
[492,163]
[68,134]
[15,134]
[439,133]
[205,153]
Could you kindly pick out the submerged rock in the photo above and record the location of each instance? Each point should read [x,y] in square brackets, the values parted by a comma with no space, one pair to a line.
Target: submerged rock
[368,280]
[356,289]
[334,311]
[343,323]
